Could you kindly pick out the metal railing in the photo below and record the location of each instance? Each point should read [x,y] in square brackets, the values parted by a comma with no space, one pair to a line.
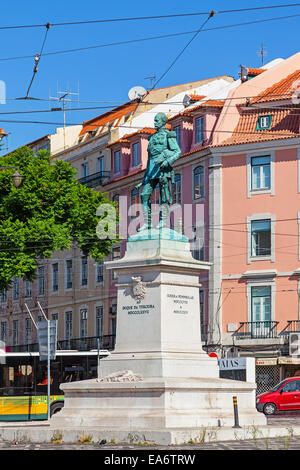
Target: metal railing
[293,326]
[257,330]
[75,344]
[96,179]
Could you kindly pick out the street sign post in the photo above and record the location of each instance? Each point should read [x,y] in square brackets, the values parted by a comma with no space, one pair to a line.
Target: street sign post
[47,338]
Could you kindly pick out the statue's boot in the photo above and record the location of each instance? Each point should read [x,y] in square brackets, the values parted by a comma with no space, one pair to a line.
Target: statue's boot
[163,216]
[147,220]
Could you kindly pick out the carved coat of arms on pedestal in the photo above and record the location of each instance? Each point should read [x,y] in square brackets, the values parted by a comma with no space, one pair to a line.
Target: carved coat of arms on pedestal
[138,288]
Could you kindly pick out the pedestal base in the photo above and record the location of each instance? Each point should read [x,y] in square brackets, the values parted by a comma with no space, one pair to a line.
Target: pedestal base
[157,404]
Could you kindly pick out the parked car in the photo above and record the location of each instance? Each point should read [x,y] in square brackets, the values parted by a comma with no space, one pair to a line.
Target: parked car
[283,397]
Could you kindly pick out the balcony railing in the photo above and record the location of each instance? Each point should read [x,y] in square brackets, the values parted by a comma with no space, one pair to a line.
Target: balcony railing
[96,179]
[257,330]
[74,344]
[293,326]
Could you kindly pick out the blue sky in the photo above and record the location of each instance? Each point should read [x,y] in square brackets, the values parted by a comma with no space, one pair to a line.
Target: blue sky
[106,74]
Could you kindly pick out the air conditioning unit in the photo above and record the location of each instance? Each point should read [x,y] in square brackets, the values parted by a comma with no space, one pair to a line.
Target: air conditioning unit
[294,344]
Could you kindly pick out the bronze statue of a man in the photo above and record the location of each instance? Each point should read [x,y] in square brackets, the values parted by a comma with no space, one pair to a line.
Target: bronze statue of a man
[163,151]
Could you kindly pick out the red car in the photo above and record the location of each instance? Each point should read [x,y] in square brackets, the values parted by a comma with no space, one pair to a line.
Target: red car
[283,397]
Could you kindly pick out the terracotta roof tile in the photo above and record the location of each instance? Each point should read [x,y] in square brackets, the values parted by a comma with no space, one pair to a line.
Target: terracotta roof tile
[125,138]
[285,122]
[281,90]
[110,116]
[255,71]
[195,97]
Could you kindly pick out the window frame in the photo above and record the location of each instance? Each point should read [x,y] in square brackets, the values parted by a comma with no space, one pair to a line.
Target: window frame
[202,130]
[202,196]
[178,130]
[134,145]
[84,282]
[271,190]
[119,162]
[53,277]
[258,217]
[259,127]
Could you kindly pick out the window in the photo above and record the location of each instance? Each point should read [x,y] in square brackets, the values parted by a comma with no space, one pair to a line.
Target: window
[69,274]
[55,277]
[85,169]
[177,129]
[3,331]
[41,280]
[16,288]
[99,322]
[28,288]
[28,331]
[263,122]
[198,243]
[100,164]
[134,199]
[260,172]
[113,320]
[99,271]
[177,189]
[117,162]
[54,316]
[15,332]
[199,182]
[199,129]
[84,270]
[68,325]
[136,154]
[156,195]
[261,238]
[260,310]
[292,386]
[3,296]
[203,326]
[115,254]
[83,326]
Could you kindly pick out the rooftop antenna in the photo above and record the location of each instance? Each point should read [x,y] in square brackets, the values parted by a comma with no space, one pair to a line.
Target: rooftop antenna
[152,79]
[262,53]
[62,97]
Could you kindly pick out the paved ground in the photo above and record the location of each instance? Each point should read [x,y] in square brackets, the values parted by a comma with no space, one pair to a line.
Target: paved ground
[280,443]
[288,442]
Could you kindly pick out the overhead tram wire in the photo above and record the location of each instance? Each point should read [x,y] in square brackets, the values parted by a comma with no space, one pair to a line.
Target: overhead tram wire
[37,60]
[154,17]
[164,36]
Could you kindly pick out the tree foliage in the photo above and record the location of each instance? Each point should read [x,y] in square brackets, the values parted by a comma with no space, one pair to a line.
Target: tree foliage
[49,212]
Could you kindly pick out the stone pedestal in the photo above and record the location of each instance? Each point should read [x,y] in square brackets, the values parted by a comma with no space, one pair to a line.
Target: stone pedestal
[173,385]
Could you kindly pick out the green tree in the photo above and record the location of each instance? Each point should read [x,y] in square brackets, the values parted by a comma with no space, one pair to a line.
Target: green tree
[50,211]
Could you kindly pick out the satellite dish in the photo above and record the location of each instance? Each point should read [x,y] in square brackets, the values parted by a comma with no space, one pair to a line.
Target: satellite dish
[186,101]
[136,92]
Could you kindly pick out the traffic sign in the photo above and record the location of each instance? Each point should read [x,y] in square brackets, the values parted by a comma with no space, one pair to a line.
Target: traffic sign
[42,333]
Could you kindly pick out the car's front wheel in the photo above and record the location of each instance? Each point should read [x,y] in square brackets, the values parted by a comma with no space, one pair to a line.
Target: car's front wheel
[270,409]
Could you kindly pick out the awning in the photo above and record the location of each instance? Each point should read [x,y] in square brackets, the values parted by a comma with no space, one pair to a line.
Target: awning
[266,361]
[289,360]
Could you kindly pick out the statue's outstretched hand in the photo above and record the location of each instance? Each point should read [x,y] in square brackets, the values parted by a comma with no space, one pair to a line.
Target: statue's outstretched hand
[138,185]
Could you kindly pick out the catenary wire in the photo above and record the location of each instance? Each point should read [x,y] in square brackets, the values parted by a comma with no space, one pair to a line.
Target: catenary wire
[109,20]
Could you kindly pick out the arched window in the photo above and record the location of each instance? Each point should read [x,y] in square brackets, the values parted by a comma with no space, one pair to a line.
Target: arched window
[198,177]
[177,189]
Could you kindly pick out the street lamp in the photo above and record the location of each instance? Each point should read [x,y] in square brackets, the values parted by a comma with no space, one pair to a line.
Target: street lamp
[16,177]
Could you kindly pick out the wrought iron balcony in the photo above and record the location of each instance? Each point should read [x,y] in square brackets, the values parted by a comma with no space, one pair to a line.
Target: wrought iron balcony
[75,344]
[257,330]
[293,326]
[96,179]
